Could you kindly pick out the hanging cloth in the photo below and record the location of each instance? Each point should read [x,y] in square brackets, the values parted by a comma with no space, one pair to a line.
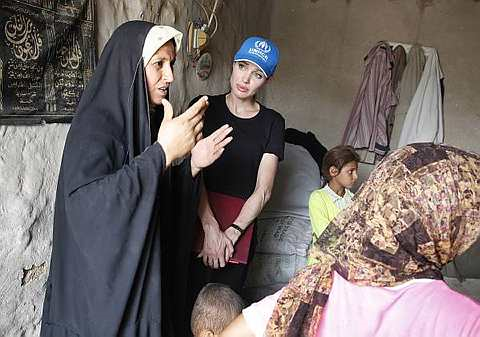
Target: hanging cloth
[367,126]
[408,86]
[400,62]
[424,119]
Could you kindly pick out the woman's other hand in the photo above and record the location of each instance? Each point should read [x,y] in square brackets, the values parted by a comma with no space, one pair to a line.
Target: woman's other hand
[178,135]
[217,248]
[209,149]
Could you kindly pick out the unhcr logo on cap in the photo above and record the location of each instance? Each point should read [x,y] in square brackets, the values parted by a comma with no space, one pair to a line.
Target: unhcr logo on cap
[262,45]
[260,49]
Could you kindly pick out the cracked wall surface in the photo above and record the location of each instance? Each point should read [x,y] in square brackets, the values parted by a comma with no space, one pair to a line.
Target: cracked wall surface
[29,162]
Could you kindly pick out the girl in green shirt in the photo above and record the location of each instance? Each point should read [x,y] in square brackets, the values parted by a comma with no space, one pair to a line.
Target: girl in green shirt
[339,166]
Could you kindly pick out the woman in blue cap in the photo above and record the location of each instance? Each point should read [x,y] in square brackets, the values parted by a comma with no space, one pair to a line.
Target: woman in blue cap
[238,185]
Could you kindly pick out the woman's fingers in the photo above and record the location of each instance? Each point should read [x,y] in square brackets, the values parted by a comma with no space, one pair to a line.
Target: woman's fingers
[228,251]
[221,262]
[194,120]
[223,143]
[198,128]
[215,263]
[198,108]
[167,110]
[227,255]
[221,133]
[220,130]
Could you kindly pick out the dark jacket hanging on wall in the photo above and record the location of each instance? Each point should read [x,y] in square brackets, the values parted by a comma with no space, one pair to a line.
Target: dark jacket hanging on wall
[367,124]
[123,221]
[400,62]
[309,142]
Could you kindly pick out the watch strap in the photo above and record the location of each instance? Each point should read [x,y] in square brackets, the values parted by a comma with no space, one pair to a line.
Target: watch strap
[238,228]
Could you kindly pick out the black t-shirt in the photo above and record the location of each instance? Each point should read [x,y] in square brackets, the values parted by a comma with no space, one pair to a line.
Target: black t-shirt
[235,172]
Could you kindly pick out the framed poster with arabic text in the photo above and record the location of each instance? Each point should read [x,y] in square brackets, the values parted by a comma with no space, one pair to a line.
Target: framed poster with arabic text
[47,56]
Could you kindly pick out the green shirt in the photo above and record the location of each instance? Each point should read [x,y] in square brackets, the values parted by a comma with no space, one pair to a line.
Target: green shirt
[324,205]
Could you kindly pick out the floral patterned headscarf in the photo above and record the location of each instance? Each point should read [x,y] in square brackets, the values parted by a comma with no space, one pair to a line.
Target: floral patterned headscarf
[418,210]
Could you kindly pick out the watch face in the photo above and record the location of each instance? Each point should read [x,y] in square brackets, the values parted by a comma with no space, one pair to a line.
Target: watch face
[238,228]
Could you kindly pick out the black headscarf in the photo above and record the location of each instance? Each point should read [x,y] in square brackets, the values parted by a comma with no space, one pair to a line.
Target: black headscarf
[122,219]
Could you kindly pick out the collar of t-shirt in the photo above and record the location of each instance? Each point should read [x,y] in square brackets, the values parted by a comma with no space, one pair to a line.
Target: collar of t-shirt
[340,202]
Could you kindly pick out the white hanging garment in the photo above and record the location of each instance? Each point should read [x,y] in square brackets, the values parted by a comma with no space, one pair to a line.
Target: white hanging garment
[424,120]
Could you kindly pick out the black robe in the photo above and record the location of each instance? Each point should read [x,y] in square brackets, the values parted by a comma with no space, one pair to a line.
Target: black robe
[123,222]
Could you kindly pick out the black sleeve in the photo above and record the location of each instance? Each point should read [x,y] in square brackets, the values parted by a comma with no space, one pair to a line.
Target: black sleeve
[109,221]
[109,200]
[180,242]
[186,194]
[276,142]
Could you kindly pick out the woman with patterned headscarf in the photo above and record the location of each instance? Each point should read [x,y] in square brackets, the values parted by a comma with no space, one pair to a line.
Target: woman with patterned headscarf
[380,259]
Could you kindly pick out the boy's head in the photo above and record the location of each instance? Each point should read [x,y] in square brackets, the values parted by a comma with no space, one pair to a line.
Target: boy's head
[215,307]
[341,163]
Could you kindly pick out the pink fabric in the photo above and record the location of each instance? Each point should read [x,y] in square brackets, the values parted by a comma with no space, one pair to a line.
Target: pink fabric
[417,308]
[258,314]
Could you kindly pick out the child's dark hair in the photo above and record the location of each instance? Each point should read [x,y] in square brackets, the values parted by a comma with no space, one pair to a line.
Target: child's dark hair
[215,307]
[338,157]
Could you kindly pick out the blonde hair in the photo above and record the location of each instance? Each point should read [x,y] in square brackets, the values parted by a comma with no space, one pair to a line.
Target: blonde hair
[215,307]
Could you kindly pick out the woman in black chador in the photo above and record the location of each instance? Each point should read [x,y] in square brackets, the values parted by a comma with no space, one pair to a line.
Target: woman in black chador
[123,212]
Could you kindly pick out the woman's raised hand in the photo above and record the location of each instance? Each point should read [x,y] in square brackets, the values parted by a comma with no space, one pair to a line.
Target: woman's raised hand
[178,135]
[209,149]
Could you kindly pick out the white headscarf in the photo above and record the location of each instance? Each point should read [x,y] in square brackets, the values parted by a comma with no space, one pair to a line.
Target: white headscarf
[157,36]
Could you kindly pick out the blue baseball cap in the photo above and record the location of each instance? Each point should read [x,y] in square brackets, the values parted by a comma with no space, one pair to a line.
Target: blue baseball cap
[261,52]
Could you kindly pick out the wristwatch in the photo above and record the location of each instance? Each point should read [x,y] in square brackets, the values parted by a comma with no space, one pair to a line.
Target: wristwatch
[238,228]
